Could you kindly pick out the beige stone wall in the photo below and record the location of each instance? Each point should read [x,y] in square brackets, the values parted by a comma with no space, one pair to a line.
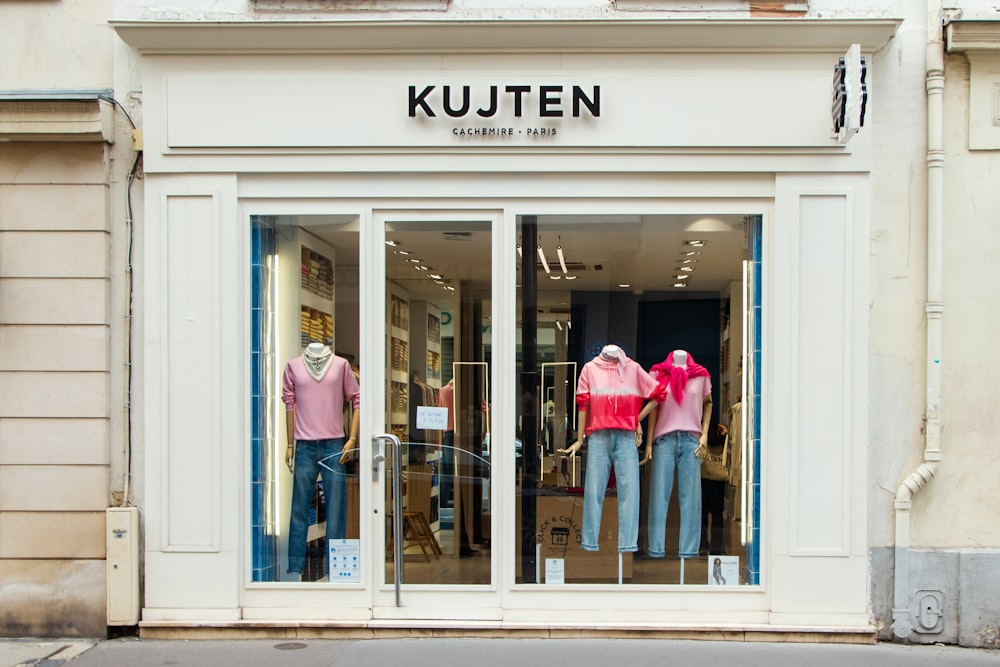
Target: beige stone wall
[54,387]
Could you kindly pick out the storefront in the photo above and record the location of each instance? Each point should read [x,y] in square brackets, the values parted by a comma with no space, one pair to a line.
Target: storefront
[466,227]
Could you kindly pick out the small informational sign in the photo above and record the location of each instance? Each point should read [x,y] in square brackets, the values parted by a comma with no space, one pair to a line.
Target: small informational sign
[434,419]
[723,570]
[555,571]
[345,561]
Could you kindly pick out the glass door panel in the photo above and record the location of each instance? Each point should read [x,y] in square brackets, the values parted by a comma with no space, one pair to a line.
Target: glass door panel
[438,365]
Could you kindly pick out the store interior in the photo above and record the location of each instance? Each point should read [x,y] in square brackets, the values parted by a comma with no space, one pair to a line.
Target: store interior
[649,284]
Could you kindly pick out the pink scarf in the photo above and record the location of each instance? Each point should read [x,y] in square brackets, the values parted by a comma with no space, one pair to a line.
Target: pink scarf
[676,377]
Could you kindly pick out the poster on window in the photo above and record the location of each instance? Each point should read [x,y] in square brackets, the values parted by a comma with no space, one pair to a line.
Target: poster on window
[723,570]
[344,559]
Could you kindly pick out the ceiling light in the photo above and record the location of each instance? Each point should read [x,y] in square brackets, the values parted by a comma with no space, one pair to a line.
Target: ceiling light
[571,277]
[624,285]
[519,250]
[439,282]
[680,285]
[434,276]
[559,325]
[414,260]
[390,242]
[402,252]
[449,288]
[695,244]
[541,256]
[562,260]
[685,268]
[554,277]
[688,261]
[691,253]
[422,268]
[569,325]
[681,276]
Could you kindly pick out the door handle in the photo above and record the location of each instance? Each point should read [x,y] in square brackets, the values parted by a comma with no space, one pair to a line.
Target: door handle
[378,455]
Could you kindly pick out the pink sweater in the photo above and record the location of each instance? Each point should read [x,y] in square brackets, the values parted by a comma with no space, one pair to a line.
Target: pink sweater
[613,399]
[687,415]
[319,406]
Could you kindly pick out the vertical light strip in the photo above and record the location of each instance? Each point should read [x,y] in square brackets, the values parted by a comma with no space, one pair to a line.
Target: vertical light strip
[743,410]
[276,388]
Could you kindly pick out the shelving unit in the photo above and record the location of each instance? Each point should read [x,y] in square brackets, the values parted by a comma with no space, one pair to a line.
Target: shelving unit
[425,341]
[398,353]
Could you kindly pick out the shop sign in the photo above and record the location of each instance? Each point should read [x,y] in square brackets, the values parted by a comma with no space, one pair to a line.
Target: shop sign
[493,109]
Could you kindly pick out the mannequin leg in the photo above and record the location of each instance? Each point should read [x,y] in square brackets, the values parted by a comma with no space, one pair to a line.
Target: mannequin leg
[598,470]
[626,458]
[303,485]
[688,494]
[335,489]
[661,485]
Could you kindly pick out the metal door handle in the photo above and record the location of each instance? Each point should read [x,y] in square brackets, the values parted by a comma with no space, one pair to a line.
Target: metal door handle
[378,455]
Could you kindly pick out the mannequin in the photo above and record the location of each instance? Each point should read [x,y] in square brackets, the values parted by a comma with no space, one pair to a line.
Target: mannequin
[677,442]
[316,386]
[610,391]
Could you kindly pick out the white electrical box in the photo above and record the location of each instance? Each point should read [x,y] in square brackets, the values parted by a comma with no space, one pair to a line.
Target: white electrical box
[123,565]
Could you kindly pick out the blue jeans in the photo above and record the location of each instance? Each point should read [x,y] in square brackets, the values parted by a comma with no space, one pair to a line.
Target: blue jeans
[675,451]
[606,448]
[315,458]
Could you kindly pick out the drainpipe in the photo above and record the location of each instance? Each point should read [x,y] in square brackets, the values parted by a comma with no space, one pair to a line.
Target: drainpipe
[902,623]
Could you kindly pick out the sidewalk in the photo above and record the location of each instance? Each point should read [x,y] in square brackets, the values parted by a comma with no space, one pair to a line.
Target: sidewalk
[479,653]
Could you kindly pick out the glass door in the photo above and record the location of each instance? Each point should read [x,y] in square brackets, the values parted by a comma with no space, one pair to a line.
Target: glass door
[437,514]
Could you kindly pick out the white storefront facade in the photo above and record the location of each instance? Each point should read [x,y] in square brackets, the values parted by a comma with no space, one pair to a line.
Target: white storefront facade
[606,139]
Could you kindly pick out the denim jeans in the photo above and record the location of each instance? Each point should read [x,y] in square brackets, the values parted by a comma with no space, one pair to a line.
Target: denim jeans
[314,458]
[606,448]
[675,451]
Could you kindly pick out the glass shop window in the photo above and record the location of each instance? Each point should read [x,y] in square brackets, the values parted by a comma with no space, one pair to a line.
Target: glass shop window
[305,398]
[638,349]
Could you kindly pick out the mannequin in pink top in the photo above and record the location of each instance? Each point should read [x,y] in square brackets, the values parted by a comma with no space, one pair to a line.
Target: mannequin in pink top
[610,392]
[315,388]
[677,442]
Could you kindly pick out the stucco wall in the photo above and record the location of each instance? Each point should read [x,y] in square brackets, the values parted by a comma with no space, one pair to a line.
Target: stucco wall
[77,30]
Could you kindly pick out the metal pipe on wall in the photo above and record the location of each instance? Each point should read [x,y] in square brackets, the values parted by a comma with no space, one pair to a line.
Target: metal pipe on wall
[902,623]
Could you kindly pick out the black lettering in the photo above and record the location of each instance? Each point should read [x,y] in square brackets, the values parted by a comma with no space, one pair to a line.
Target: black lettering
[593,103]
[548,99]
[420,101]
[517,91]
[456,113]
[489,113]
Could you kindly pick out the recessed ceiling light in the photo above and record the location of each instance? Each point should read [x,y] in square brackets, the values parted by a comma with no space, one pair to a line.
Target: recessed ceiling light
[421,268]
[402,252]
[414,260]
[434,276]
[680,284]
[570,277]
[695,243]
[624,285]
[691,253]
[554,277]
[681,276]
[684,268]
[390,242]
[688,261]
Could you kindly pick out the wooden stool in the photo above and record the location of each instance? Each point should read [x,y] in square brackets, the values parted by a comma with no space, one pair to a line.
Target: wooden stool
[417,529]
